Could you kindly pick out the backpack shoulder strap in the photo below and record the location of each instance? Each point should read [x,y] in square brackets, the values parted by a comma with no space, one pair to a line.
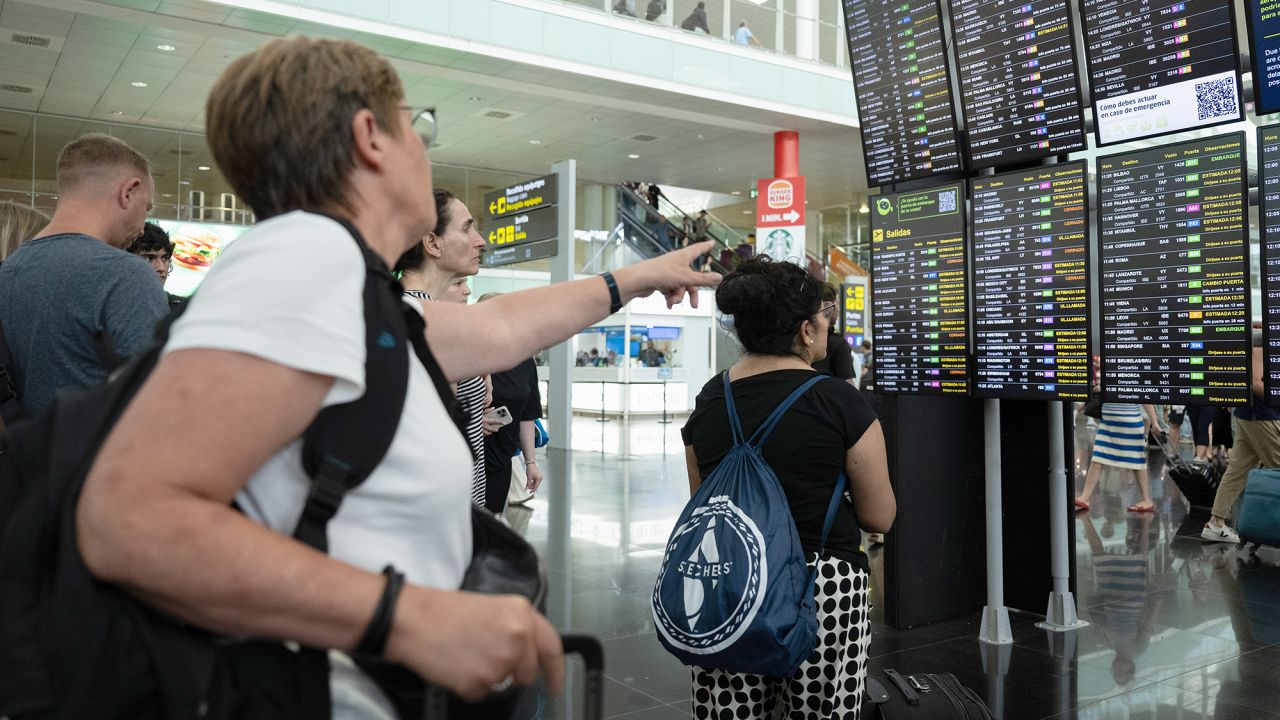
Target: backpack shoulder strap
[762,433]
[10,408]
[344,443]
[735,425]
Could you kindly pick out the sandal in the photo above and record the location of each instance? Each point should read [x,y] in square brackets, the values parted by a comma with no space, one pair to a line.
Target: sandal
[1136,508]
[1081,505]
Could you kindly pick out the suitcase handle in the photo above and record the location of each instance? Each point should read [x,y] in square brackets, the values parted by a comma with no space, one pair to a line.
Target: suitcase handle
[437,699]
[903,687]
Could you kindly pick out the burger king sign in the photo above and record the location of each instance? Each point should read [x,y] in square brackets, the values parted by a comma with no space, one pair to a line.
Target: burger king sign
[780,218]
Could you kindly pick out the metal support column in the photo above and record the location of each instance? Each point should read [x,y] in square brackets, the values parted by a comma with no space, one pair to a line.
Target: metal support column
[563,266]
[1061,613]
[995,616]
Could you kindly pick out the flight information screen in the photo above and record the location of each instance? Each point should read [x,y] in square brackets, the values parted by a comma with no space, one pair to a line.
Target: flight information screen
[920,292]
[1269,215]
[1018,84]
[1175,273]
[903,89]
[1264,42]
[1031,284]
[1160,67]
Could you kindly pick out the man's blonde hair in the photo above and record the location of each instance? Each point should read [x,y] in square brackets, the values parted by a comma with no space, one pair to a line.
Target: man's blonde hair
[278,121]
[90,156]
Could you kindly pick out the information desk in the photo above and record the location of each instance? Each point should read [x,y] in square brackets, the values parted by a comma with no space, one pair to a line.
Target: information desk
[1031,284]
[920,292]
[1175,273]
[1018,85]
[903,89]
[1264,45]
[1269,217]
[1158,67]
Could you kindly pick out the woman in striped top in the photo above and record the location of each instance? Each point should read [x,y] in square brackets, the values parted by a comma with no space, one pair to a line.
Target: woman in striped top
[437,269]
[1121,442]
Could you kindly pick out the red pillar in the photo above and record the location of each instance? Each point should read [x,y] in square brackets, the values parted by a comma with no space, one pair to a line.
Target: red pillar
[786,154]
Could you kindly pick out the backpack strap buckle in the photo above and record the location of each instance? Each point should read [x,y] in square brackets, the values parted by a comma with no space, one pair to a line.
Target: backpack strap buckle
[328,487]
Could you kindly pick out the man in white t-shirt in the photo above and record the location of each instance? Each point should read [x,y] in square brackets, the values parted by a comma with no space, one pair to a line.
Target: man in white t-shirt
[307,131]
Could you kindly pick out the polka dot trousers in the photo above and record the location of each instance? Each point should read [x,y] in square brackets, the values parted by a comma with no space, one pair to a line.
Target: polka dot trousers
[828,685]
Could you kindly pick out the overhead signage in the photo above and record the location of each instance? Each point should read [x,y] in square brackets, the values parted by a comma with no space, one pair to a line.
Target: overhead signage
[1269,218]
[920,292]
[540,192]
[780,218]
[522,227]
[1174,263]
[903,89]
[497,257]
[1157,68]
[1031,284]
[1264,44]
[1018,86]
[854,326]
[841,265]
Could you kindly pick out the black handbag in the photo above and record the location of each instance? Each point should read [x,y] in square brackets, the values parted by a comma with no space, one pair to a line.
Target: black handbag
[1093,407]
[502,563]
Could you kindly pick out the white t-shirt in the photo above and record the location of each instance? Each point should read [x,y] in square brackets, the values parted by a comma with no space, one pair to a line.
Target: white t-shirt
[291,291]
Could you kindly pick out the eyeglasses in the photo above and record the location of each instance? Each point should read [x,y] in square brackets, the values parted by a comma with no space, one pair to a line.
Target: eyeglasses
[424,124]
[828,310]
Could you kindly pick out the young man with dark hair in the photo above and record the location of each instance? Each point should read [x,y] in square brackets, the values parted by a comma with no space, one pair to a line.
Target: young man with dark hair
[73,303]
[154,246]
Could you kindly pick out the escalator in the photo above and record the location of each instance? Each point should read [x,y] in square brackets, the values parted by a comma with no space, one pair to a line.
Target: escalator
[652,232]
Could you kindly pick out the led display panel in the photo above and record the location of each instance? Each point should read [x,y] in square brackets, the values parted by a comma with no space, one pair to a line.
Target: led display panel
[920,292]
[1031,284]
[1018,86]
[903,89]
[1264,44]
[1269,216]
[1174,281]
[1160,67]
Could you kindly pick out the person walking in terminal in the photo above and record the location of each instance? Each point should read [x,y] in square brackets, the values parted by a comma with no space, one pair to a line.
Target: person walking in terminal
[779,320]
[1121,442]
[744,36]
[318,138]
[1257,444]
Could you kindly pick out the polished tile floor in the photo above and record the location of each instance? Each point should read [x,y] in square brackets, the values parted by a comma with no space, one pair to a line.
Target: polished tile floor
[1178,629]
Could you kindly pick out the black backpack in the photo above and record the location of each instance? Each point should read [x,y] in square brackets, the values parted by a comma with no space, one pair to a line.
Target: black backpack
[74,647]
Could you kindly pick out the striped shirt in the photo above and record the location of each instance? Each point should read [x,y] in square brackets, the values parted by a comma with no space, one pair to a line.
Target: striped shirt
[470,394]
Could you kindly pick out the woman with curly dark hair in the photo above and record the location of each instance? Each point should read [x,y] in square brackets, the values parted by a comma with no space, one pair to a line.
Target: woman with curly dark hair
[782,324]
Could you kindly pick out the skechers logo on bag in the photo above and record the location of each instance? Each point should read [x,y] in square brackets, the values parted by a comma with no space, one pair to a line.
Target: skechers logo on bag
[718,599]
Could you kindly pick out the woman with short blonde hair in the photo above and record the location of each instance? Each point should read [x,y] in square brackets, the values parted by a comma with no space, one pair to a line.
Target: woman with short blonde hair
[18,224]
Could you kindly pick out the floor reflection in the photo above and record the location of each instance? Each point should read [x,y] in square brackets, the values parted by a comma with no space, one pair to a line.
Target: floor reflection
[1178,628]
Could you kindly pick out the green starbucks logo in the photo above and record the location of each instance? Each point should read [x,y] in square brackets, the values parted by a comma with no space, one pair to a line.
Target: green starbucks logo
[780,244]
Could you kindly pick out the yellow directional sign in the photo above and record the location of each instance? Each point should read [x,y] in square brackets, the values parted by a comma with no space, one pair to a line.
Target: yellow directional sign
[522,227]
[522,197]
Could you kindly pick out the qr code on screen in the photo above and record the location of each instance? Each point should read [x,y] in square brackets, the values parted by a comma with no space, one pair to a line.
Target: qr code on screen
[947,201]
[1217,98]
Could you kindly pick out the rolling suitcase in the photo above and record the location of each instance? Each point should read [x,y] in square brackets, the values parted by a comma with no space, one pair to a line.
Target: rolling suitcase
[1259,520]
[922,696]
[1197,480]
[441,706]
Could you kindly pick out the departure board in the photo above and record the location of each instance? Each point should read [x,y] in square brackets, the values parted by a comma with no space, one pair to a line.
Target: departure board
[1160,67]
[1264,44]
[1269,215]
[1175,273]
[920,292]
[1031,284]
[1018,84]
[903,89]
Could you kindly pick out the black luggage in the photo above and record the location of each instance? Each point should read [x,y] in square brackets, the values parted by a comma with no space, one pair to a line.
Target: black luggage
[1197,480]
[922,696]
[440,706]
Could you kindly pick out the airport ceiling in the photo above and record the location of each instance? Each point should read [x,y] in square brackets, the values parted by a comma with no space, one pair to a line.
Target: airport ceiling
[495,114]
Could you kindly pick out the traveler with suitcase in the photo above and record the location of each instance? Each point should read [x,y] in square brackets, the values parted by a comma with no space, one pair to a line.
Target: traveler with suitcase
[1257,444]
[816,432]
[1121,442]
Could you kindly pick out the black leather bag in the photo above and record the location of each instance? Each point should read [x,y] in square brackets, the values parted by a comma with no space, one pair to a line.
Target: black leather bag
[1093,407]
[922,696]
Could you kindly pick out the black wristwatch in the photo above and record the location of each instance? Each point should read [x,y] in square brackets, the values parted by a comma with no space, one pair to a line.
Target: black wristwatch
[615,299]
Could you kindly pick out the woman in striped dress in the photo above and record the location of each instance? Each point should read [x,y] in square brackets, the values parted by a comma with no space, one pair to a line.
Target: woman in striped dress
[1121,442]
